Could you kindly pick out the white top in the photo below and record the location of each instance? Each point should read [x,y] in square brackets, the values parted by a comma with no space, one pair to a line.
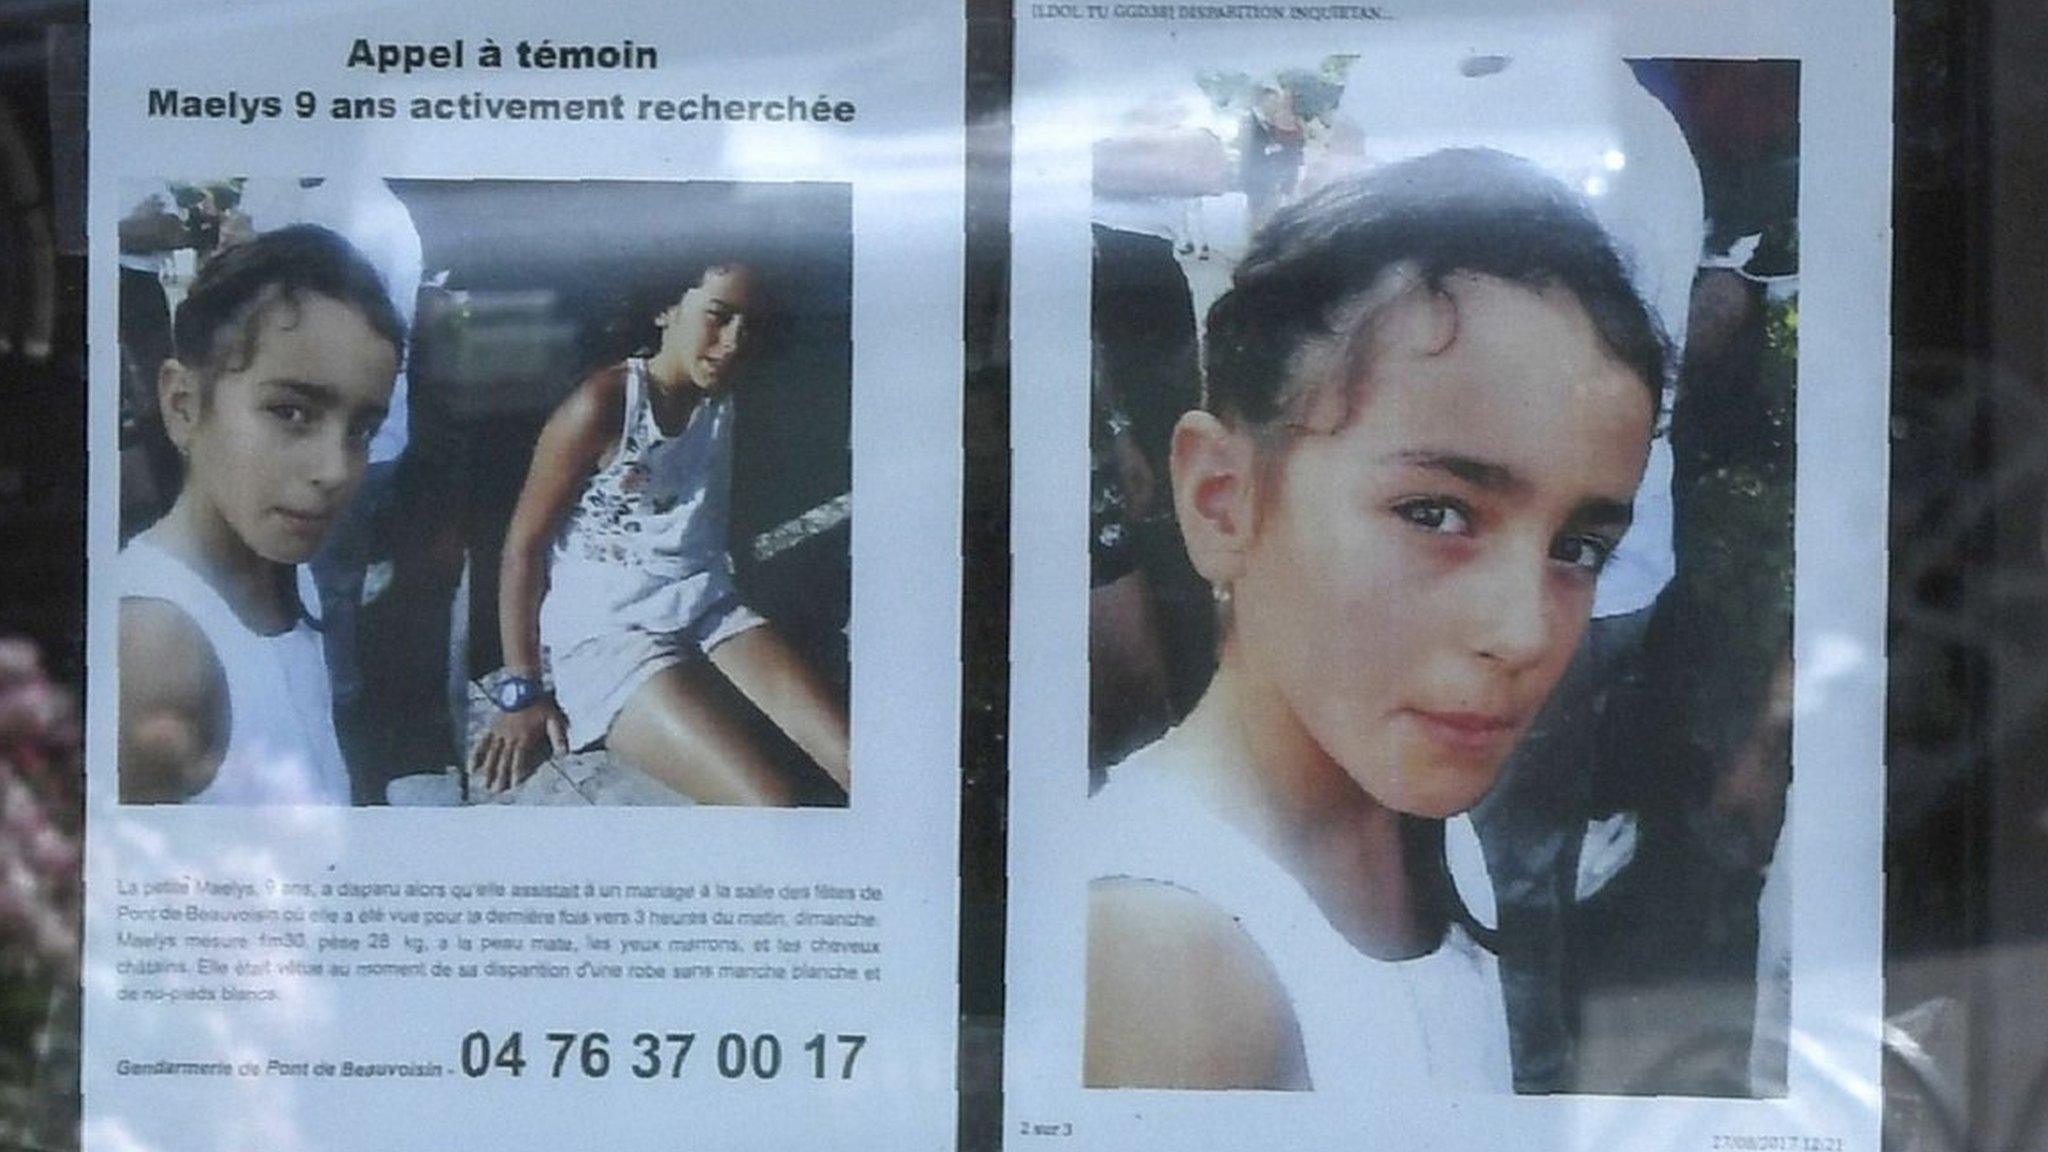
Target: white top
[1369,1027]
[150,262]
[1156,216]
[644,547]
[281,745]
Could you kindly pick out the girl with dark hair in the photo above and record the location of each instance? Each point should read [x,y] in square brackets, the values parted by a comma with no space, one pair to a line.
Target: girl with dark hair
[286,350]
[1429,398]
[615,563]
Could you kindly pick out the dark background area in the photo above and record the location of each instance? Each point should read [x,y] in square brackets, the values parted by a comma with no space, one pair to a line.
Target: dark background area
[42,343]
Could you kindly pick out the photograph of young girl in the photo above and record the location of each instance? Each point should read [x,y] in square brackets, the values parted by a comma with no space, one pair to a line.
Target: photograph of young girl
[608,562]
[284,355]
[616,565]
[1433,784]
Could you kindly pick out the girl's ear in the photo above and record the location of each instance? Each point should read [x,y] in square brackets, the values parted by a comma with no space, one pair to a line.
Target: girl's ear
[675,307]
[672,308]
[1214,494]
[180,400]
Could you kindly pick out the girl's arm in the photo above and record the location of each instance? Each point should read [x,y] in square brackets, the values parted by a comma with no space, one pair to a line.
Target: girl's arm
[570,448]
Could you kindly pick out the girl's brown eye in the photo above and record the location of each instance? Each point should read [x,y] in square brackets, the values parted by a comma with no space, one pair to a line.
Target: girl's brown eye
[1443,517]
[1586,553]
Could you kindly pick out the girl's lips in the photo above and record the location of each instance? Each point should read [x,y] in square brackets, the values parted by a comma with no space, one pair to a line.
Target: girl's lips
[1468,731]
[305,521]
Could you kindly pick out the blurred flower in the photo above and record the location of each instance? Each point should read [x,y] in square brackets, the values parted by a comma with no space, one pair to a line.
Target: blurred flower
[39,813]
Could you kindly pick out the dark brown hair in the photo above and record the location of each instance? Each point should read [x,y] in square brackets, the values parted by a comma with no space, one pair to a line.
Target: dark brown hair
[216,325]
[1467,210]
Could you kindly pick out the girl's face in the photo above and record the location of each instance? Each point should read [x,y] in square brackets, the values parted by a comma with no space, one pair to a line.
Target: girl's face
[1417,580]
[276,446]
[708,329]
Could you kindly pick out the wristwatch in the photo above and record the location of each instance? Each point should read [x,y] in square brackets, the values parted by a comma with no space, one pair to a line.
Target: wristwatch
[517,693]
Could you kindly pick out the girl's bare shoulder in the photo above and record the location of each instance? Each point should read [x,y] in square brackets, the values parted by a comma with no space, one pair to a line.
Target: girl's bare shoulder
[594,406]
[174,710]
[1180,996]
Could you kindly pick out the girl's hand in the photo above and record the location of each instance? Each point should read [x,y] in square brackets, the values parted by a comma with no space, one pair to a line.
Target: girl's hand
[518,742]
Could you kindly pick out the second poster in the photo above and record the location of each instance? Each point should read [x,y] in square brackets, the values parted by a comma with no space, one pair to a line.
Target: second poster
[1423,452]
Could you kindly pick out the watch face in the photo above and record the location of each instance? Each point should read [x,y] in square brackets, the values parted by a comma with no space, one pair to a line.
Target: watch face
[513,694]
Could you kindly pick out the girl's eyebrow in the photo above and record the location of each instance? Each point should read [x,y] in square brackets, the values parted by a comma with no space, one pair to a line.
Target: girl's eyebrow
[1476,472]
[306,390]
[1602,512]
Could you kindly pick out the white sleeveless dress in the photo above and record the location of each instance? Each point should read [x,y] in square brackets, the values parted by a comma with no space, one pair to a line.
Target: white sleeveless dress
[281,745]
[1370,1028]
[639,578]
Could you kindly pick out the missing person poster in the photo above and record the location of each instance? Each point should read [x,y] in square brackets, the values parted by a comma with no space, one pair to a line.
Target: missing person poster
[1450,468]
[524,576]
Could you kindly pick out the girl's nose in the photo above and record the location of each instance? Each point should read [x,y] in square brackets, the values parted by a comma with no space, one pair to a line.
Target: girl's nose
[336,458]
[1512,623]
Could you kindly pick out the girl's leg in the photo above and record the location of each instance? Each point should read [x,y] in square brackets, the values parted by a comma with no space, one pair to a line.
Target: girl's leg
[781,685]
[683,728]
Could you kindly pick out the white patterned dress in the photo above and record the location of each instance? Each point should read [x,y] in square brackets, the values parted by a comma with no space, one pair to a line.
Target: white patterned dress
[639,578]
